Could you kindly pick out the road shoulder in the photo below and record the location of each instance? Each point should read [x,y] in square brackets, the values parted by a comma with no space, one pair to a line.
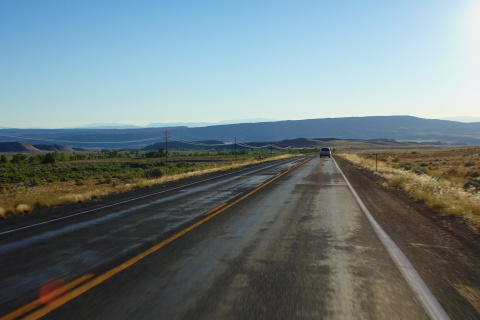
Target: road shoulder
[444,251]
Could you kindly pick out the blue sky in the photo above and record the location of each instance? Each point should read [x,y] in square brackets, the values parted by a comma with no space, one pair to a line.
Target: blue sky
[68,63]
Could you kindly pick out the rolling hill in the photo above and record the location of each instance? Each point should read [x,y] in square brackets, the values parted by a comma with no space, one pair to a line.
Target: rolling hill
[400,128]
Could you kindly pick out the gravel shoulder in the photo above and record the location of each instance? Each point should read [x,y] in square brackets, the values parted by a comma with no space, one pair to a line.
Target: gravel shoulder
[444,250]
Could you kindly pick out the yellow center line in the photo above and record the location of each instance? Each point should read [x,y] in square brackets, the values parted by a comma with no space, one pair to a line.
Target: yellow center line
[32,305]
[215,209]
[89,285]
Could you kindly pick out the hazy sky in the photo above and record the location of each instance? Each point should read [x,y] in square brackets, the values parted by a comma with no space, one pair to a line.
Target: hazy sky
[65,63]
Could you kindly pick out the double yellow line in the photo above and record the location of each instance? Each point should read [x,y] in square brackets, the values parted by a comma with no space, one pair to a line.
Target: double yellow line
[63,295]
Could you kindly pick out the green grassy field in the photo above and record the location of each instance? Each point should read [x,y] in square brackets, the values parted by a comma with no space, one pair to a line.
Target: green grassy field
[35,181]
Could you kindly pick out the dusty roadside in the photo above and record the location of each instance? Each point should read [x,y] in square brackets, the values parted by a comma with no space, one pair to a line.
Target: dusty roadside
[444,250]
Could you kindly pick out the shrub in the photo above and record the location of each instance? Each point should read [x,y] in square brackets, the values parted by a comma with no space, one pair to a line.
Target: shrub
[405,165]
[398,182]
[108,178]
[418,170]
[19,158]
[469,164]
[154,173]
[452,171]
[49,158]
[473,174]
[472,184]
[3,159]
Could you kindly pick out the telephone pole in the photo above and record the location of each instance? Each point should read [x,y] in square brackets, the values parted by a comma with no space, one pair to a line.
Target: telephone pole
[166,147]
[235,148]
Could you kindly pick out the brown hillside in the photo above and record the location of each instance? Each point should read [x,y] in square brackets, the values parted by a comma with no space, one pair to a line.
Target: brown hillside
[10,147]
[53,147]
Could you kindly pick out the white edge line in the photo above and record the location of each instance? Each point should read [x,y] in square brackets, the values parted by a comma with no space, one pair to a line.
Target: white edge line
[134,199]
[431,305]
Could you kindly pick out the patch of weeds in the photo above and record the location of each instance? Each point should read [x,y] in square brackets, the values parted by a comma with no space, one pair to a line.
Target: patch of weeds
[471,173]
[418,170]
[452,171]
[469,164]
[387,186]
[79,182]
[23,208]
[106,179]
[405,165]
[398,182]
[437,206]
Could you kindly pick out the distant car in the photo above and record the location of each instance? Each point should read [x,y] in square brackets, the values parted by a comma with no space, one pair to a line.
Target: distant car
[325,152]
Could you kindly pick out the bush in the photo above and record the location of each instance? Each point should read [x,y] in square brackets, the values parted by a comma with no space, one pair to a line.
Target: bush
[405,165]
[418,170]
[19,158]
[3,159]
[469,164]
[472,184]
[398,182]
[49,158]
[154,173]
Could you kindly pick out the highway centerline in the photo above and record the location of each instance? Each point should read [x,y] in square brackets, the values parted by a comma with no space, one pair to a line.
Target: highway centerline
[101,278]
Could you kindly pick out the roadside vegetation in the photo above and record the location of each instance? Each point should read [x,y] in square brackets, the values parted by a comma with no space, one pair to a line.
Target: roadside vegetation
[52,179]
[447,181]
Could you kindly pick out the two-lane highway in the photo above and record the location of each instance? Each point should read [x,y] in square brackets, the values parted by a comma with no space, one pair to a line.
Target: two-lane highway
[282,241]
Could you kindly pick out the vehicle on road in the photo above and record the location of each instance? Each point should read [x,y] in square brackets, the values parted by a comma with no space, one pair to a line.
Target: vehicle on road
[325,152]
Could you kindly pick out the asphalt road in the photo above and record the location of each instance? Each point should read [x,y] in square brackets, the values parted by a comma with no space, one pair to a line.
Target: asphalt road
[284,240]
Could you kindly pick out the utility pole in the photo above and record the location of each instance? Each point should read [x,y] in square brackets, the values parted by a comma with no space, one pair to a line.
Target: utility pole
[166,147]
[271,151]
[235,148]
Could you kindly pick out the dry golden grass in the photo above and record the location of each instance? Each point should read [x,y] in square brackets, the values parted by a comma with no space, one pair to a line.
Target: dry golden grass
[441,193]
[23,200]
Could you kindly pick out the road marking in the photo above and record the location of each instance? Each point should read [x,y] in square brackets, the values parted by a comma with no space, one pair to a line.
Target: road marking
[215,209]
[138,198]
[101,278]
[416,283]
[35,304]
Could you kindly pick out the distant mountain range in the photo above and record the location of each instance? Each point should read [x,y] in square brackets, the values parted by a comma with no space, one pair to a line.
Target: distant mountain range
[166,124]
[462,119]
[400,128]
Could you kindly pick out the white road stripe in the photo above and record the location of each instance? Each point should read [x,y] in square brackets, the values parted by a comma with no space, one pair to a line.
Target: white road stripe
[416,283]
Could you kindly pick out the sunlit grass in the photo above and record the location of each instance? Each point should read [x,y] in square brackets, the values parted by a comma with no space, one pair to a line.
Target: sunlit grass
[443,195]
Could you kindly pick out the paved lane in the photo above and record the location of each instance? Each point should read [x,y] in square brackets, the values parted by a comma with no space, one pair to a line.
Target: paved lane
[299,248]
[105,234]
